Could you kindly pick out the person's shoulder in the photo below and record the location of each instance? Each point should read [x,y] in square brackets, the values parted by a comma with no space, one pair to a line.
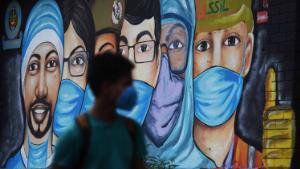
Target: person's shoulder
[72,133]
[83,121]
[129,121]
[70,142]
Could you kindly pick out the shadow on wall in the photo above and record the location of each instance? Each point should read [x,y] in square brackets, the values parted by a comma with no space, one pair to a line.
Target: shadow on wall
[11,111]
[296,95]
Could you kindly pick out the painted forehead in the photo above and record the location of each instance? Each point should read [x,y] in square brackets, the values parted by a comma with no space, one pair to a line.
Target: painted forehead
[43,48]
[135,33]
[240,29]
[170,29]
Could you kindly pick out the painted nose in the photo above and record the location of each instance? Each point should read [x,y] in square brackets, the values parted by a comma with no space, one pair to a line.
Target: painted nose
[42,88]
[164,49]
[131,55]
[217,58]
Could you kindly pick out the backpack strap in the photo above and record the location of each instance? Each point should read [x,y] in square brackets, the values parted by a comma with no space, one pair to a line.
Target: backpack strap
[84,125]
[131,128]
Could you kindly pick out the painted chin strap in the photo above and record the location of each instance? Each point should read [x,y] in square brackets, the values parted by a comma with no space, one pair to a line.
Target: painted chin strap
[217,92]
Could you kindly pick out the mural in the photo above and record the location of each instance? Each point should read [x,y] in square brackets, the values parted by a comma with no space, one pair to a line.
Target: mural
[223,49]
[207,97]
[41,66]
[108,17]
[78,50]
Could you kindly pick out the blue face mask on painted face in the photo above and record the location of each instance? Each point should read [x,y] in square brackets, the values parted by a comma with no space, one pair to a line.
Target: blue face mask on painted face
[139,111]
[88,100]
[217,93]
[127,99]
[68,106]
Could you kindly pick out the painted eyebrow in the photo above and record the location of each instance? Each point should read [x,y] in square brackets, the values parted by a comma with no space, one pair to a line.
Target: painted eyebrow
[208,36]
[49,53]
[36,56]
[77,47]
[170,32]
[232,32]
[141,34]
[124,39]
[106,44]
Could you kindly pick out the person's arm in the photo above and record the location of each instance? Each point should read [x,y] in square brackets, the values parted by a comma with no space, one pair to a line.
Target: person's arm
[68,148]
[139,149]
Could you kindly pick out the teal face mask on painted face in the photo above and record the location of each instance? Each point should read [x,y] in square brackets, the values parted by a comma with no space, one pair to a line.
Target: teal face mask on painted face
[217,94]
[127,99]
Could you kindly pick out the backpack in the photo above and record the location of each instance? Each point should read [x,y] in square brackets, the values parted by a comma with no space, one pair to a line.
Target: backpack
[83,123]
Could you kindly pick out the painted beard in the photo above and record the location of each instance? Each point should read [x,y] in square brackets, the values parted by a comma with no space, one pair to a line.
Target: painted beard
[38,112]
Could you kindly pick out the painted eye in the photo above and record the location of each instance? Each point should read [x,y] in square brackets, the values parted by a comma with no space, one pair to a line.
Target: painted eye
[122,51]
[203,46]
[33,67]
[175,45]
[143,48]
[51,64]
[232,41]
[78,61]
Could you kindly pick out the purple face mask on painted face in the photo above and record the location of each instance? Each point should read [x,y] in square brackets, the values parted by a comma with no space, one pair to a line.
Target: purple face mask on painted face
[165,106]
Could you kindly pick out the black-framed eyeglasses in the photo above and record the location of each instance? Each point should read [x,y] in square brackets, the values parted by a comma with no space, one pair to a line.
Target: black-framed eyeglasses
[143,51]
[77,63]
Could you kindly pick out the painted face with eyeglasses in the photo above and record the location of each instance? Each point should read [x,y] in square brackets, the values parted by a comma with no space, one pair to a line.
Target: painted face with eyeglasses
[75,58]
[138,44]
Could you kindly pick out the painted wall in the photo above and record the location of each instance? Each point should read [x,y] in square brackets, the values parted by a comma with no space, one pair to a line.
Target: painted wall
[215,78]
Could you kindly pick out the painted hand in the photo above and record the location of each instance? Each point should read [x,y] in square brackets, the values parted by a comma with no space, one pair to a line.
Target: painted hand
[278,128]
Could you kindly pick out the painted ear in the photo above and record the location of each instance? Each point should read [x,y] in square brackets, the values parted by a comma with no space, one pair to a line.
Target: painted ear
[248,53]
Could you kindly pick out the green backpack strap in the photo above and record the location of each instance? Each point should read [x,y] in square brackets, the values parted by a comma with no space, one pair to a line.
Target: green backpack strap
[83,123]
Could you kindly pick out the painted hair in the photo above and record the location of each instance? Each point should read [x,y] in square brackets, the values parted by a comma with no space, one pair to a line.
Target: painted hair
[42,27]
[139,10]
[79,13]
